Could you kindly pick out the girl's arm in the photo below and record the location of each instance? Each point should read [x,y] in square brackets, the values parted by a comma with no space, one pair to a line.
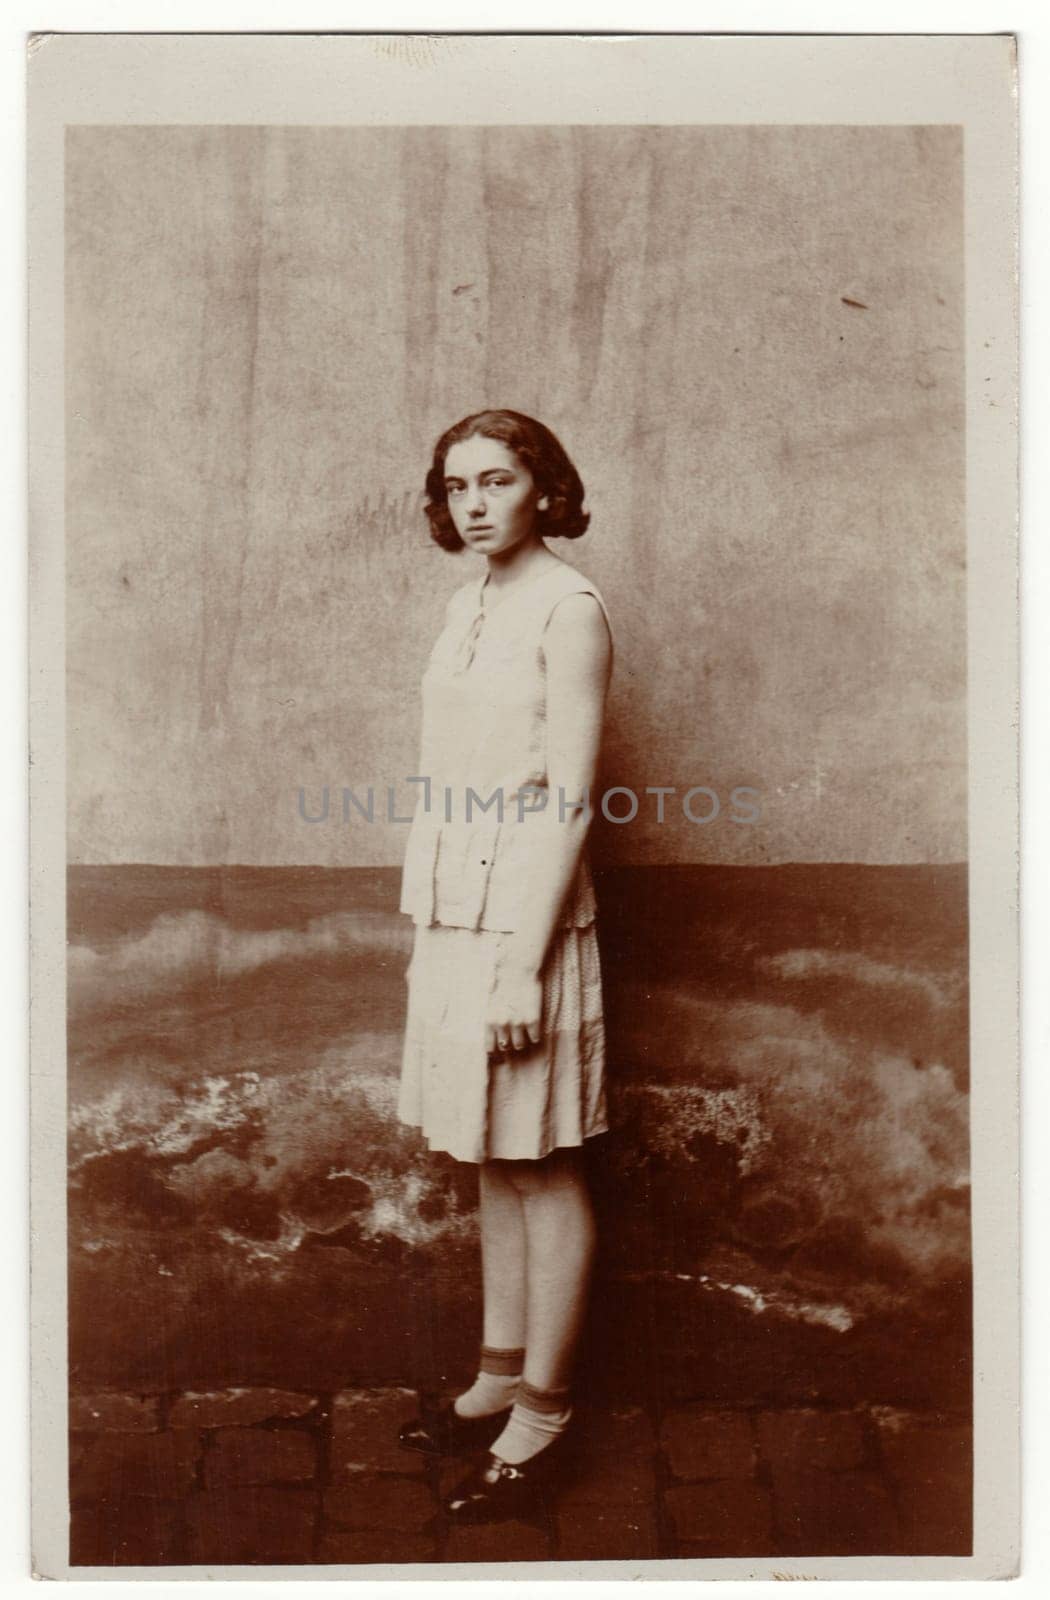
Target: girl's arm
[578,653]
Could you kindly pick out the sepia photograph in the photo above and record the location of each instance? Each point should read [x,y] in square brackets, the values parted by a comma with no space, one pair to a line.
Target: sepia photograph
[521,980]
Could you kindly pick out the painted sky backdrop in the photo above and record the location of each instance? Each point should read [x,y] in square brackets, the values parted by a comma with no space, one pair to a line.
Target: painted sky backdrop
[748,338]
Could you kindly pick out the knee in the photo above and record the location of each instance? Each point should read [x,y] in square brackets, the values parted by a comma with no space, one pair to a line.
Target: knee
[522,1177]
[496,1175]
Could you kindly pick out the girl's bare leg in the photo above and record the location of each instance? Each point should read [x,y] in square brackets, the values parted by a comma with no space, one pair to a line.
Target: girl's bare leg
[503,1276]
[503,1257]
[559,1237]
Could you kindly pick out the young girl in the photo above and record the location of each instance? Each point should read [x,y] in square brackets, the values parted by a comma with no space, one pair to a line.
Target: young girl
[504,1041]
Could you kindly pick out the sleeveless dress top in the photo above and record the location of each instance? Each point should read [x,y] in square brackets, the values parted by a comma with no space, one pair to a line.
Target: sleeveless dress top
[483,761]
[464,883]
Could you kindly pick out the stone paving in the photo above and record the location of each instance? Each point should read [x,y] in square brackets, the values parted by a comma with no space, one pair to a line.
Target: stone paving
[242,1476]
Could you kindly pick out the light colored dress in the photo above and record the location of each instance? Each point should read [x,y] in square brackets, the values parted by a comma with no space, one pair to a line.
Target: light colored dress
[465,885]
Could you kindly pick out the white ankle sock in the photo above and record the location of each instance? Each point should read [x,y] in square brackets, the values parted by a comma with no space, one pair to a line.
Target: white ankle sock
[496,1385]
[538,1417]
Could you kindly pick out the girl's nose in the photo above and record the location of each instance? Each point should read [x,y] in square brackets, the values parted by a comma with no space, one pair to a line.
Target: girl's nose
[477,499]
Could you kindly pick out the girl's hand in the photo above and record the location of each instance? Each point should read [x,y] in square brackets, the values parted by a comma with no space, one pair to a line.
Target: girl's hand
[512,1021]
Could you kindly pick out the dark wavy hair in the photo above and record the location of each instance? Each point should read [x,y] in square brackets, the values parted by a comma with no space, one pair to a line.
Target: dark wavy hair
[534,445]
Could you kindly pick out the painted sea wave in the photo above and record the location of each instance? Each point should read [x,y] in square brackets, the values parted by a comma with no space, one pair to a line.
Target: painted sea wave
[789,1118]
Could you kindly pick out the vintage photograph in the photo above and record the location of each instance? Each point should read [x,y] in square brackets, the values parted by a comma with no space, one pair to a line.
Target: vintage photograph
[518,919]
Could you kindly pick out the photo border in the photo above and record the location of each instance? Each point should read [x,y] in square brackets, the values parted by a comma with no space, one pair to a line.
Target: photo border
[393,80]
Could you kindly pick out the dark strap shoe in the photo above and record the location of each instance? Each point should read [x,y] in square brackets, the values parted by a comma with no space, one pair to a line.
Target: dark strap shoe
[445,1433]
[497,1491]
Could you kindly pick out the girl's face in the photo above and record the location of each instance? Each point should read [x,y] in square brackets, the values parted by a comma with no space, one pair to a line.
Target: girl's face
[492,496]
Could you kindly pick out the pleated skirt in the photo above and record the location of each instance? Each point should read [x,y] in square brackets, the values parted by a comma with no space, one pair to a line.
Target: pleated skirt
[519,1105]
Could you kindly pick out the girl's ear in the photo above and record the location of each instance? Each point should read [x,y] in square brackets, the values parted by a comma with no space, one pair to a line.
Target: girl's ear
[543,503]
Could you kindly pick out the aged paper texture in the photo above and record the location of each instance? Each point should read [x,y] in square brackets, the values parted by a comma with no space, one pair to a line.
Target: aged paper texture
[762,291]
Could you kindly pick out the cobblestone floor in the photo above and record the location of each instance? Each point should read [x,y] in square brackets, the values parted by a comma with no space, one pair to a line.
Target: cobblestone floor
[267,1476]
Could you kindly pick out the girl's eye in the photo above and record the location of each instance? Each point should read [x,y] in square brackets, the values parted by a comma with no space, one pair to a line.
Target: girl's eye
[453,490]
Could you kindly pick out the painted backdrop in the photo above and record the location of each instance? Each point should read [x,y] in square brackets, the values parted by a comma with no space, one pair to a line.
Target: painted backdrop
[750,341]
